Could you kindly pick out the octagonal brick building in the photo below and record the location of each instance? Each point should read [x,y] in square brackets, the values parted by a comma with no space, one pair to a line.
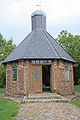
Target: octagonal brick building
[39,63]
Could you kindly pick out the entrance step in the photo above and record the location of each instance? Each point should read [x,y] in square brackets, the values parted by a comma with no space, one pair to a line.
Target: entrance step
[45,95]
[44,98]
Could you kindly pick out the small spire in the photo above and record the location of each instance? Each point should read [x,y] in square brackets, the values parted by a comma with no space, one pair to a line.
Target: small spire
[38,7]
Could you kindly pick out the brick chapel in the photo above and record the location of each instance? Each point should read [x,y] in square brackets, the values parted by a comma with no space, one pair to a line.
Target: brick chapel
[39,63]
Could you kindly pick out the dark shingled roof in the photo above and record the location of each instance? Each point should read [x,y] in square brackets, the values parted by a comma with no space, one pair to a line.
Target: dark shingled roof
[39,44]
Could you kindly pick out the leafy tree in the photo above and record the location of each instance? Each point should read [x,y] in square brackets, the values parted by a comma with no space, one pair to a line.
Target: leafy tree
[71,43]
[6,48]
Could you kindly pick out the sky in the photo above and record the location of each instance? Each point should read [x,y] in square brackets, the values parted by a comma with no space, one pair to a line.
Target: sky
[15,17]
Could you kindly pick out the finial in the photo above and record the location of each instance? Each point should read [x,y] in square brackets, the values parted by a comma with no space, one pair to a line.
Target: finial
[38,7]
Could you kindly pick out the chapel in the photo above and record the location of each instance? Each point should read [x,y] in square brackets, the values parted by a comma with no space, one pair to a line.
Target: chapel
[39,63]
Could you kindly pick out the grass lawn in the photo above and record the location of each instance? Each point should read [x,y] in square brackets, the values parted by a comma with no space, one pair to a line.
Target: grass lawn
[2,90]
[77,88]
[76,101]
[8,109]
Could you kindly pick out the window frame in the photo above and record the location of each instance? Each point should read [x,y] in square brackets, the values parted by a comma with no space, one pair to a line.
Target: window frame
[66,68]
[14,79]
[41,61]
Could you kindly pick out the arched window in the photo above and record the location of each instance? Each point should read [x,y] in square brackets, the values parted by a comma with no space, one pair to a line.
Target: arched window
[14,71]
[66,71]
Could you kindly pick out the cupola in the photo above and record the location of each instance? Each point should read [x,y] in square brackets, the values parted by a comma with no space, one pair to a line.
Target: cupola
[38,19]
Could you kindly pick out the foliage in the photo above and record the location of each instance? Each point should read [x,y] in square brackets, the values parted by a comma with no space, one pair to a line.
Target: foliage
[71,43]
[2,90]
[77,88]
[79,81]
[2,76]
[6,48]
[76,101]
[8,109]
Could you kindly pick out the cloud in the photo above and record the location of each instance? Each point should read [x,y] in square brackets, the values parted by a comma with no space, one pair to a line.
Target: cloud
[16,14]
[60,11]
[57,11]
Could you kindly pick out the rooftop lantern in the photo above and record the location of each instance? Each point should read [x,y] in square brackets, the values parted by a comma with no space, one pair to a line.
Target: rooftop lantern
[38,19]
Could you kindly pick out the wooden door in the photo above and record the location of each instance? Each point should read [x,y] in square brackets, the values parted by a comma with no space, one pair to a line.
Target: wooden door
[36,78]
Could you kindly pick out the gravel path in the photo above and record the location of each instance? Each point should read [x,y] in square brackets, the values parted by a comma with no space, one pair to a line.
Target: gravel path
[48,111]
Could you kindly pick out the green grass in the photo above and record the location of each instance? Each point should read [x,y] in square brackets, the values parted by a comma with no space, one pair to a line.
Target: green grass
[8,109]
[2,90]
[77,88]
[76,101]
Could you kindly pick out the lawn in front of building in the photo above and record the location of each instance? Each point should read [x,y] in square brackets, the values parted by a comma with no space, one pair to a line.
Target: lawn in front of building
[76,101]
[8,109]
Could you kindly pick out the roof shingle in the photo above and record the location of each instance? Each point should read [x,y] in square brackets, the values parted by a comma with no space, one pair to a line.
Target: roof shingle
[39,44]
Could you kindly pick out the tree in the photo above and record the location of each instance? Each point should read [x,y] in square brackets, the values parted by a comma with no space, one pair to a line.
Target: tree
[71,43]
[6,47]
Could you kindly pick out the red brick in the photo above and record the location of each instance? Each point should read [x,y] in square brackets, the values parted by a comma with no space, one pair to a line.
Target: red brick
[22,85]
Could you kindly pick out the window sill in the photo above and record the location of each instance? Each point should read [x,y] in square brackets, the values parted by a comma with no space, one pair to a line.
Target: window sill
[66,80]
[14,82]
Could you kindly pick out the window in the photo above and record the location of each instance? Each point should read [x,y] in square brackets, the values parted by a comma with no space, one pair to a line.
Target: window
[37,61]
[14,71]
[66,71]
[45,61]
[40,61]
[37,74]
[49,61]
[33,61]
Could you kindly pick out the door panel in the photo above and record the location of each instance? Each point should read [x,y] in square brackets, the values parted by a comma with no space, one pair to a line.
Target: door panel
[36,78]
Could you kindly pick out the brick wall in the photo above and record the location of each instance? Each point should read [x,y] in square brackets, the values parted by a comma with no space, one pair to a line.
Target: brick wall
[8,77]
[21,86]
[27,77]
[54,76]
[58,83]
[61,85]
[20,78]
[11,87]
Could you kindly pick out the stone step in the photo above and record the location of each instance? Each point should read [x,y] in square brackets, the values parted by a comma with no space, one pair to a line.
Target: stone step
[45,100]
[44,97]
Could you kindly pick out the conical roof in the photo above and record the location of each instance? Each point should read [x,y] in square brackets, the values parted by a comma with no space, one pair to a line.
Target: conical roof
[38,44]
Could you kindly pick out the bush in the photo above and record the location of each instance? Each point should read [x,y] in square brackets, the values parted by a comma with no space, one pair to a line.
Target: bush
[2,76]
[78,81]
[6,47]
[77,88]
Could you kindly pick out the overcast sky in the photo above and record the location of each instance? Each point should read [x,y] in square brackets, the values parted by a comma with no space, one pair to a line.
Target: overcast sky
[15,17]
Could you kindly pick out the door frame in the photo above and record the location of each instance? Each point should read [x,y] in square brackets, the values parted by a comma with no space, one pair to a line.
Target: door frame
[40,65]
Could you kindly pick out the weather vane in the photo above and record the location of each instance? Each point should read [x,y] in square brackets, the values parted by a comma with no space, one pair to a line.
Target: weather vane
[38,7]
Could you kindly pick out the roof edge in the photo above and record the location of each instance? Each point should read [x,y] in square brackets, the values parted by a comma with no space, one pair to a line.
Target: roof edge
[25,58]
